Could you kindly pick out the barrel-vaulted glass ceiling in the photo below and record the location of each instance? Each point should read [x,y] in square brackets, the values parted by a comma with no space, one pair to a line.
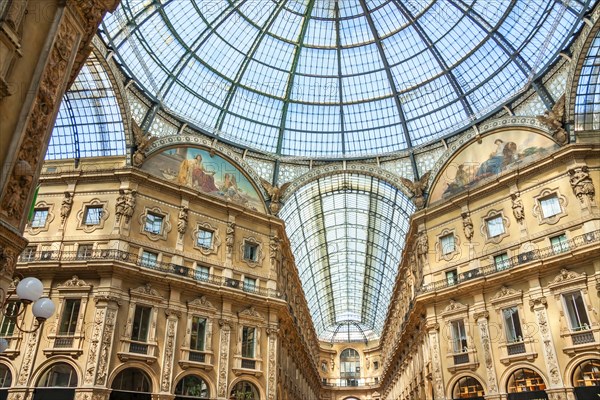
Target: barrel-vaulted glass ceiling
[347,233]
[337,78]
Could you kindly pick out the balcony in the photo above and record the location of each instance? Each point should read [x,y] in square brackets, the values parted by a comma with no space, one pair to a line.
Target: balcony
[489,268]
[139,351]
[104,255]
[65,344]
[465,360]
[583,339]
[247,366]
[350,382]
[515,348]
[191,358]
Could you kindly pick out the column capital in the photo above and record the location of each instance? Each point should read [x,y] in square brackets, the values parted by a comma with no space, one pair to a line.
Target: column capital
[481,315]
[538,302]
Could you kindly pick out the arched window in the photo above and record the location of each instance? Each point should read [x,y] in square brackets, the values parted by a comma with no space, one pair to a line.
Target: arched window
[467,388]
[58,382]
[131,384]
[192,386]
[523,382]
[349,367]
[244,390]
[5,381]
[586,380]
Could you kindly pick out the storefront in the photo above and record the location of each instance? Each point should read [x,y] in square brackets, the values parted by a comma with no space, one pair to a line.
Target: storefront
[586,380]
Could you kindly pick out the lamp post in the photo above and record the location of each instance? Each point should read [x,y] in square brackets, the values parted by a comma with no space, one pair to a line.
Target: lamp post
[29,291]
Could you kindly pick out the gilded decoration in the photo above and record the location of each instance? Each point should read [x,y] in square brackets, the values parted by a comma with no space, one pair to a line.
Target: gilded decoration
[211,174]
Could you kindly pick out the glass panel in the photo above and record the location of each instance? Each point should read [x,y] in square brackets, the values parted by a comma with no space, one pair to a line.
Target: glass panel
[192,386]
[447,244]
[559,244]
[39,218]
[587,102]
[550,206]
[459,336]
[8,321]
[577,314]
[250,251]
[501,261]
[495,226]
[93,215]
[141,323]
[59,375]
[68,322]
[133,380]
[248,342]
[512,325]
[153,223]
[149,259]
[198,333]
[205,239]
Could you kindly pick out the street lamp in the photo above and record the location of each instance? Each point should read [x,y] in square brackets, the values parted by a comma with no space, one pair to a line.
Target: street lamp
[29,290]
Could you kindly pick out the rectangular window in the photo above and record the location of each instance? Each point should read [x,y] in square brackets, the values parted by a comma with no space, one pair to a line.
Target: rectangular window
[149,259]
[249,284]
[141,322]
[559,243]
[501,261]
[68,321]
[84,251]
[550,206]
[93,215]
[8,321]
[205,239]
[375,364]
[40,215]
[248,334]
[452,277]
[153,223]
[495,226]
[250,251]
[576,312]
[198,333]
[447,244]
[459,336]
[29,253]
[202,273]
[512,325]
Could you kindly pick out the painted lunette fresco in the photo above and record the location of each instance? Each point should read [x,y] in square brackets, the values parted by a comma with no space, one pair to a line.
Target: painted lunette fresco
[195,168]
[497,152]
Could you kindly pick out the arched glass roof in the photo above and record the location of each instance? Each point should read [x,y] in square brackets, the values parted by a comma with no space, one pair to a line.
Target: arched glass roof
[330,78]
[347,232]
[587,103]
[89,121]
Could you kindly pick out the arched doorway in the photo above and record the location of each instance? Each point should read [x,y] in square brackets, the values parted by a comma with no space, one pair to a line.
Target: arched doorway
[349,367]
[5,381]
[58,382]
[468,388]
[244,390]
[586,380]
[131,384]
[191,387]
[526,384]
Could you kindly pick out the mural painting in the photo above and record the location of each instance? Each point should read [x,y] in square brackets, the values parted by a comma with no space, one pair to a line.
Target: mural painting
[195,168]
[497,152]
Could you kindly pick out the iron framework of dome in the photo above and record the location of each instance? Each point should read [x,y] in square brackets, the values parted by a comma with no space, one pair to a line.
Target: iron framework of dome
[337,79]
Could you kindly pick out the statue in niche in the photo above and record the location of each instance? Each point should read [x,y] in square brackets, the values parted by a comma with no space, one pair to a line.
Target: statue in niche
[183,220]
[417,188]
[65,207]
[517,207]
[553,120]
[467,226]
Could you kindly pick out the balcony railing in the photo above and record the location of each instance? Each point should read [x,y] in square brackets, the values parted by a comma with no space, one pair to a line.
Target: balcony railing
[139,348]
[350,382]
[462,358]
[512,262]
[131,258]
[63,342]
[248,364]
[515,348]
[582,338]
[197,356]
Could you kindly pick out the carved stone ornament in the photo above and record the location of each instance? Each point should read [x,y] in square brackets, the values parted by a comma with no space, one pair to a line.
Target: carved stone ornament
[250,312]
[230,237]
[505,292]
[417,189]
[581,183]
[125,205]
[8,259]
[538,302]
[146,289]
[65,207]
[517,208]
[169,355]
[74,282]
[467,226]
[422,247]
[142,142]
[275,194]
[201,303]
[553,119]
[29,154]
[481,314]
[566,275]
[182,220]
[455,306]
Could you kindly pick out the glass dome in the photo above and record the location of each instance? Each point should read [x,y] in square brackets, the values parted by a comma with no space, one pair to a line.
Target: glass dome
[332,78]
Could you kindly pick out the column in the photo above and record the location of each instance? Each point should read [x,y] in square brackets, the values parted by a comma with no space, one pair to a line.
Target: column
[554,388]
[223,358]
[272,363]
[103,332]
[166,380]
[436,363]
[492,382]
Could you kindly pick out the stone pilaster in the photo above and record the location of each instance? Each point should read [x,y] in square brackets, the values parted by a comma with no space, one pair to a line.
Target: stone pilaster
[223,358]
[538,305]
[488,360]
[169,351]
[31,347]
[436,362]
[272,363]
[101,340]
